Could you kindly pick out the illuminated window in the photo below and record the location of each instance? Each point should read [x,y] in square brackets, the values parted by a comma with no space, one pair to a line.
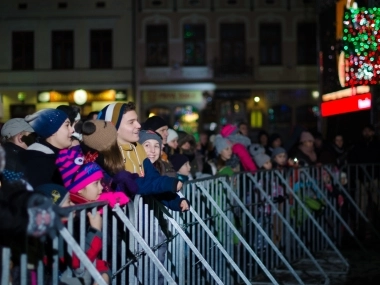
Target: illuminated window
[256,119]
[232,111]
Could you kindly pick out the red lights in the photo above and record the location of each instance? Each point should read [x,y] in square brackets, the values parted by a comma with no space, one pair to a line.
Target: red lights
[346,105]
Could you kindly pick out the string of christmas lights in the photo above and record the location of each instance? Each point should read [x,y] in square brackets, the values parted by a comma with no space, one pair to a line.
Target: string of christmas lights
[361,45]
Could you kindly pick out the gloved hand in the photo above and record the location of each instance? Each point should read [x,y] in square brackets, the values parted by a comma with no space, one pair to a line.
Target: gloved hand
[44,216]
[113,198]
[125,180]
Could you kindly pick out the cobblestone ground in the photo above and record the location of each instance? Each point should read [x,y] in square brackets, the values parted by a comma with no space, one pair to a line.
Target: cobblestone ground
[364,266]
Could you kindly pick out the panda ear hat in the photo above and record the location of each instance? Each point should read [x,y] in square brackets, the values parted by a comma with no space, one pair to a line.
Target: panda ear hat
[255,149]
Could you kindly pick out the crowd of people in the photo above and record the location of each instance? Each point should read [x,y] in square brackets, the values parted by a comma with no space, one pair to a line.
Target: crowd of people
[54,158]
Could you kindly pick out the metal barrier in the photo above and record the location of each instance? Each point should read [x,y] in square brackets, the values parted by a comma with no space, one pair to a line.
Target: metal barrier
[240,229]
[158,227]
[361,185]
[30,267]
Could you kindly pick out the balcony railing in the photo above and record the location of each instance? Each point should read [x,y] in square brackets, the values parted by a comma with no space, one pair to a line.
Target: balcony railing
[233,70]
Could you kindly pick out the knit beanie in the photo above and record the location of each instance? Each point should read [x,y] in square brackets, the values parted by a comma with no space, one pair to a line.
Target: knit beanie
[149,135]
[172,135]
[76,173]
[57,193]
[154,123]
[261,159]
[255,149]
[113,113]
[228,130]
[277,151]
[221,143]
[306,136]
[46,122]
[178,160]
[98,134]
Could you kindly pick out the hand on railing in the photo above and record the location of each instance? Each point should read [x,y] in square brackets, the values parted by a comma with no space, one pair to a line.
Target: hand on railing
[184,205]
[114,198]
[95,220]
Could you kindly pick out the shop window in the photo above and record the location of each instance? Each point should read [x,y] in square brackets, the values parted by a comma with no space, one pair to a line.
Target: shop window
[194,41]
[157,50]
[186,119]
[232,39]
[21,110]
[101,49]
[163,112]
[270,44]
[62,49]
[232,111]
[306,44]
[23,50]
[280,114]
[280,120]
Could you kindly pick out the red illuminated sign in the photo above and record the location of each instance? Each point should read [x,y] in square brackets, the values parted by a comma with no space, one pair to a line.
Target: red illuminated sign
[346,105]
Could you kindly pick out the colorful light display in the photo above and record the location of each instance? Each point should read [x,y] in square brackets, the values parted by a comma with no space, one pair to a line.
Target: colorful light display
[361,41]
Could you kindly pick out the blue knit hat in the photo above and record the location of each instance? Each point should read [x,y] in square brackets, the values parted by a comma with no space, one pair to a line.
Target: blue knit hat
[46,122]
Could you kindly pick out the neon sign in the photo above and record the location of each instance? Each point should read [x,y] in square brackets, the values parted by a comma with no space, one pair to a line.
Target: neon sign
[346,105]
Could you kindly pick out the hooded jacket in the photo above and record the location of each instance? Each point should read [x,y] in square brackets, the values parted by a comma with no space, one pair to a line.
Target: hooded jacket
[133,155]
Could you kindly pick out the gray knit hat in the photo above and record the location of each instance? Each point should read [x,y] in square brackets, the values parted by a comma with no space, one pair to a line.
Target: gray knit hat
[261,159]
[277,151]
[149,135]
[221,143]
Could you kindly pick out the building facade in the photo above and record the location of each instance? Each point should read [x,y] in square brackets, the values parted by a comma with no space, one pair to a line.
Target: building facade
[64,52]
[253,61]
[198,63]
